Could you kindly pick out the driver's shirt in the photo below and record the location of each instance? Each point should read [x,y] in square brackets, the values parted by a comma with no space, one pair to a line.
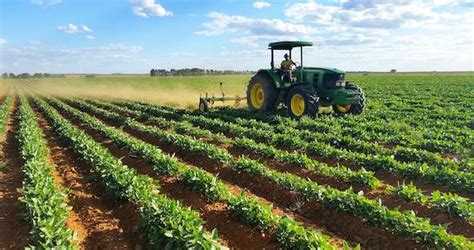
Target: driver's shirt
[286,64]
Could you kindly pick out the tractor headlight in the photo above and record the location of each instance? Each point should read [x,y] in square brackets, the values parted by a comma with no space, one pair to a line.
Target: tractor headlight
[340,83]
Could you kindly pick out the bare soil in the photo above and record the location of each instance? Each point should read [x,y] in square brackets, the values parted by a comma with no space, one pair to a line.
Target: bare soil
[332,221]
[100,222]
[215,214]
[296,170]
[456,225]
[14,229]
[437,217]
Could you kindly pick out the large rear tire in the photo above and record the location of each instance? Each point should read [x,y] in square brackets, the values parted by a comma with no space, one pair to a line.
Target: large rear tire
[302,101]
[261,93]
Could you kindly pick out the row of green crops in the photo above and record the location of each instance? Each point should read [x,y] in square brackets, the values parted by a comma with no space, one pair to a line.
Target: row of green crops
[399,223]
[308,133]
[4,114]
[368,130]
[362,177]
[437,138]
[250,210]
[459,180]
[165,221]
[45,203]
[450,203]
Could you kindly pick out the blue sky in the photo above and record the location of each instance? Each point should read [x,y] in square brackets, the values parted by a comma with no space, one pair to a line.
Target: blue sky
[105,36]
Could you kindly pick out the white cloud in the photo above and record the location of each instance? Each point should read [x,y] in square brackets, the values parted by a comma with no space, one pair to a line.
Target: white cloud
[91,37]
[222,23]
[72,28]
[101,59]
[3,41]
[261,5]
[311,11]
[46,3]
[371,14]
[147,8]
[350,39]
[255,40]
[86,29]
[467,3]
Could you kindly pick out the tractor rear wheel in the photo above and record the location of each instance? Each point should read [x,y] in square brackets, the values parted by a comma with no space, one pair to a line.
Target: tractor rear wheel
[302,100]
[261,93]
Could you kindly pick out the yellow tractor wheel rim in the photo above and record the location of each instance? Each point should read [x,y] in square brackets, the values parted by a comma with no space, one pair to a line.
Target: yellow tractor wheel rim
[297,105]
[343,108]
[257,96]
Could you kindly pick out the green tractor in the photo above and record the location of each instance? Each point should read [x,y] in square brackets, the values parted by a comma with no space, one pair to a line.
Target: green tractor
[301,89]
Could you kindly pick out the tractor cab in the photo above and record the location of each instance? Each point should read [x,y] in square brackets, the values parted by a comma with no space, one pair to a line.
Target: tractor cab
[295,75]
[306,89]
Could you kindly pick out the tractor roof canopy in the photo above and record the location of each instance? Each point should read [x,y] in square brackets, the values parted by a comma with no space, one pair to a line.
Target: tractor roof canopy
[288,45]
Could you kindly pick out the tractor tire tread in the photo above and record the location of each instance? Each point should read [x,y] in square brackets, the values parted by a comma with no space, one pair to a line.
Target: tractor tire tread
[269,90]
[310,97]
[359,107]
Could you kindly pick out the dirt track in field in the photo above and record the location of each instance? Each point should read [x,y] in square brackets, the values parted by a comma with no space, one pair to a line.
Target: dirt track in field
[232,232]
[99,222]
[455,225]
[234,185]
[437,217]
[332,222]
[335,223]
[14,230]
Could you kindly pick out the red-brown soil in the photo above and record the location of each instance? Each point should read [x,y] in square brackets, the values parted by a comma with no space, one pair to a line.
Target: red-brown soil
[215,214]
[296,170]
[456,225]
[338,223]
[437,217]
[100,222]
[394,179]
[14,229]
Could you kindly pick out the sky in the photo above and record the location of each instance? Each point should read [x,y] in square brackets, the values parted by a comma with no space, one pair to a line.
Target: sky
[133,36]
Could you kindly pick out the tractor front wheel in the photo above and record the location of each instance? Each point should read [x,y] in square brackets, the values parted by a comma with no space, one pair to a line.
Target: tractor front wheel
[261,93]
[356,108]
[359,107]
[302,100]
[342,109]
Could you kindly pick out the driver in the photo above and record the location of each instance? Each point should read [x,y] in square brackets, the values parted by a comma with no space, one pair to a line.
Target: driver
[286,68]
[287,63]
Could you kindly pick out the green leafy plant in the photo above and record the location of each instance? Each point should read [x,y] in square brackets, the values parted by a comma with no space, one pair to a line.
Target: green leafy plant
[45,203]
[397,222]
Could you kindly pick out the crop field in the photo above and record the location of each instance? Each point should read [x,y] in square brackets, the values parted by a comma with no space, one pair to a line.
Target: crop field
[106,162]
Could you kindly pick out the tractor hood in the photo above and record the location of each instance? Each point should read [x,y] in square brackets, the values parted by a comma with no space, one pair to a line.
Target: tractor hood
[328,70]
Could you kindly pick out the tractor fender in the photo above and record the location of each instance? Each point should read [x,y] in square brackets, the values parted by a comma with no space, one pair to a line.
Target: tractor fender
[273,76]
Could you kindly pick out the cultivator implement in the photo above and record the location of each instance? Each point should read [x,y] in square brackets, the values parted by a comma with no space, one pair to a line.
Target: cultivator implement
[206,102]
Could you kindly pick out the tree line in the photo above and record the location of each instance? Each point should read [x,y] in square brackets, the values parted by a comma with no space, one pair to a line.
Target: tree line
[195,71]
[28,75]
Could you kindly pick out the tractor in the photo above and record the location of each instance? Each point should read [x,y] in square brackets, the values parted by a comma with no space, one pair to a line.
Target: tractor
[302,89]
